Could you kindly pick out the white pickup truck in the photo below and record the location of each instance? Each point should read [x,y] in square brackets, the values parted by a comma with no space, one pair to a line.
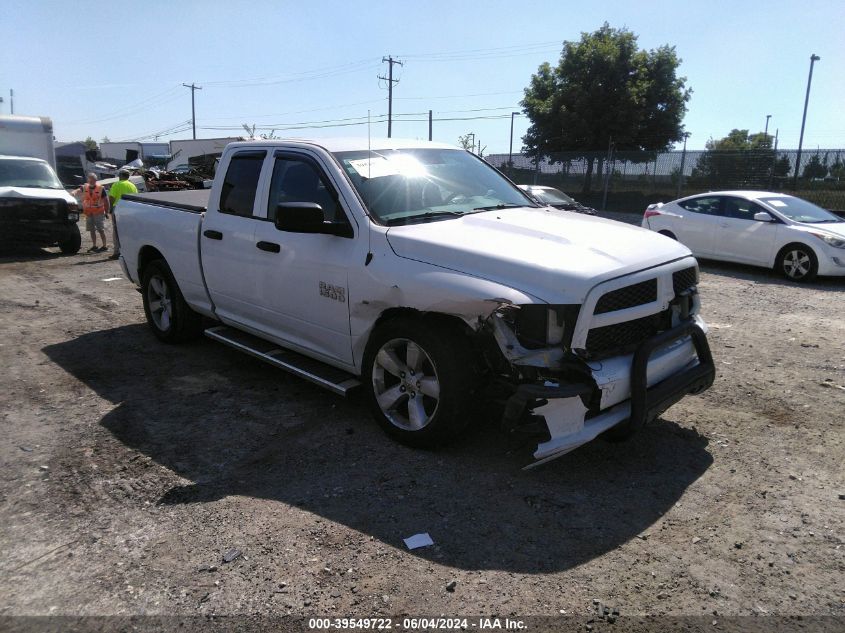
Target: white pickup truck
[418,272]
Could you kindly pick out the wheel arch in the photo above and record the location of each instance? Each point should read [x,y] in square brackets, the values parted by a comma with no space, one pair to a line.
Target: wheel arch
[792,244]
[146,255]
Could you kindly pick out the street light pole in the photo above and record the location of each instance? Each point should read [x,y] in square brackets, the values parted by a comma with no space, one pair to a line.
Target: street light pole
[472,134]
[510,151]
[813,59]
[766,131]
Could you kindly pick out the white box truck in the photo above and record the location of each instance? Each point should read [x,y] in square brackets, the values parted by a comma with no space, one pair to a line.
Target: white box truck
[27,136]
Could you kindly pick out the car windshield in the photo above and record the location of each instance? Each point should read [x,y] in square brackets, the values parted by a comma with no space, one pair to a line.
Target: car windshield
[551,196]
[408,186]
[28,174]
[799,210]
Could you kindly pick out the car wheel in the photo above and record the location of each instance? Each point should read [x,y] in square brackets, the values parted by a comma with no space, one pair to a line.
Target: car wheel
[169,316]
[72,243]
[420,380]
[797,262]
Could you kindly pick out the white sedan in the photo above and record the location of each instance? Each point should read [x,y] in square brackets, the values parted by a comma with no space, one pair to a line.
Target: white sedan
[791,235]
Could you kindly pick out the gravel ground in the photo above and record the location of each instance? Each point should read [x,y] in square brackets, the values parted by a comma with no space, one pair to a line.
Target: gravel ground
[143,479]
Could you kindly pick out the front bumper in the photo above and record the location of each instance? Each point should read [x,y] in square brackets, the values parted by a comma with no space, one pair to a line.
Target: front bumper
[634,389]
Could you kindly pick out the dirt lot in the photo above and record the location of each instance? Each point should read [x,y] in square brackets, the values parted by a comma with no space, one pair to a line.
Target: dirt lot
[129,468]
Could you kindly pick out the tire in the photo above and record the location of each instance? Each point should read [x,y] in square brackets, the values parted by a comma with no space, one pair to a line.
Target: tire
[169,317]
[797,262]
[423,401]
[72,243]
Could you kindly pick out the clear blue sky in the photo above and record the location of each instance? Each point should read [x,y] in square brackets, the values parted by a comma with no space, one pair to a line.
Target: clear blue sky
[115,68]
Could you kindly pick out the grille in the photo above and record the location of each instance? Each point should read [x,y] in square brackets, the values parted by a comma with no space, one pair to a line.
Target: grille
[619,338]
[684,279]
[26,210]
[628,297]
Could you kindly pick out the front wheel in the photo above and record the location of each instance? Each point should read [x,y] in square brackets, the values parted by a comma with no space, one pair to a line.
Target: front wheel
[169,316]
[797,262]
[71,244]
[420,380]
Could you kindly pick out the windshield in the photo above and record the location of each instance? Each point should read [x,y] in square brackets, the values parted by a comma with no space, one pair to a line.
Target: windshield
[799,210]
[28,173]
[551,196]
[421,184]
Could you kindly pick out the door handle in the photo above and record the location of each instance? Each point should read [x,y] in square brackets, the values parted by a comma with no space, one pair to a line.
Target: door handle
[270,247]
[723,225]
[213,235]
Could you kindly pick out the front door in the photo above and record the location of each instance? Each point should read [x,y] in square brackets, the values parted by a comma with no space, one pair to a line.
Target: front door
[304,276]
[741,238]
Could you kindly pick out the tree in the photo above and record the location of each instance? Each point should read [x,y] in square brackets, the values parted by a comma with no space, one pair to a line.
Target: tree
[604,87]
[90,143]
[739,159]
[837,169]
[782,167]
[464,141]
[815,168]
[105,140]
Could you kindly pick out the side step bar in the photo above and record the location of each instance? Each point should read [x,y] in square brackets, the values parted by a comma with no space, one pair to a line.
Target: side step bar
[331,378]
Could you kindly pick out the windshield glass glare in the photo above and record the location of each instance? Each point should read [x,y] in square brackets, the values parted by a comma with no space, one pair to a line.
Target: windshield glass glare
[551,196]
[28,174]
[419,184]
[799,210]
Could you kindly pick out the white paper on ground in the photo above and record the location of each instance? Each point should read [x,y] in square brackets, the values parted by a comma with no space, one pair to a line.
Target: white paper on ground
[112,278]
[418,540]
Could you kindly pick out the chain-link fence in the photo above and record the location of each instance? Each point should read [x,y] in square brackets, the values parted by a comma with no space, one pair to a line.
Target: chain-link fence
[629,181]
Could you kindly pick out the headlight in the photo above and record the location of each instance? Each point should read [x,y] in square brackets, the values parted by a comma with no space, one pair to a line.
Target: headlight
[539,325]
[831,240]
[73,217]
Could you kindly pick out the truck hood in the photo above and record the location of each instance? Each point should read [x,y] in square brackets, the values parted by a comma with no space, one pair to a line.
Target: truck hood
[36,193]
[556,256]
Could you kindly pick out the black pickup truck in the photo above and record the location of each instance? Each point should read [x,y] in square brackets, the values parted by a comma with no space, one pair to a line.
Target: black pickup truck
[35,210]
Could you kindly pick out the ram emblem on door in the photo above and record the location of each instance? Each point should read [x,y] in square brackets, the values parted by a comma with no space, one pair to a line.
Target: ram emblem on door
[338,293]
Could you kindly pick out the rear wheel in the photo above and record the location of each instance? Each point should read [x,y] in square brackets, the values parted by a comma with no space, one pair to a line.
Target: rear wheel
[169,316]
[420,380]
[72,243]
[797,262]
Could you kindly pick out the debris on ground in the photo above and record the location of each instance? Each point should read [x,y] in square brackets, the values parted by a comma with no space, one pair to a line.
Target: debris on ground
[418,540]
[231,554]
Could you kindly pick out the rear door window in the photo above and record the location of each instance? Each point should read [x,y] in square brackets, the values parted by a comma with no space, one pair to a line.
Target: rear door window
[237,196]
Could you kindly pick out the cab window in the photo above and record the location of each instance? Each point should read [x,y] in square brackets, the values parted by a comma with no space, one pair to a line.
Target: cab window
[299,180]
[708,205]
[237,195]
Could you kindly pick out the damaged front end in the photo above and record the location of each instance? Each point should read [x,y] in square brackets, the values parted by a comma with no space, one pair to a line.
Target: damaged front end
[631,350]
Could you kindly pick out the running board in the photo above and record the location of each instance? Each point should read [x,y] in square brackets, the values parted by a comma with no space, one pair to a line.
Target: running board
[319,373]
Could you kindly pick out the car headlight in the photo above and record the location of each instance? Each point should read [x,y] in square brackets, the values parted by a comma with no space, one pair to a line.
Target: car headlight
[539,325]
[73,217]
[831,240]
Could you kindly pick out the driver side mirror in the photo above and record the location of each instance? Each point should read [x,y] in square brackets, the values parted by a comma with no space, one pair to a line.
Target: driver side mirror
[307,217]
[763,216]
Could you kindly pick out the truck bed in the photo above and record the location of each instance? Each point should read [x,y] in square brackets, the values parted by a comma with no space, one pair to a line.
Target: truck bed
[193,200]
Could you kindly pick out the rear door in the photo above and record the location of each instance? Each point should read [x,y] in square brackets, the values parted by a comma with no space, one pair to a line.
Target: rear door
[696,226]
[741,238]
[304,277]
[227,242]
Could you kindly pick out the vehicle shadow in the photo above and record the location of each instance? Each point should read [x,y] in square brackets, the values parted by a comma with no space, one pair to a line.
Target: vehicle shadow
[25,252]
[234,426]
[766,276]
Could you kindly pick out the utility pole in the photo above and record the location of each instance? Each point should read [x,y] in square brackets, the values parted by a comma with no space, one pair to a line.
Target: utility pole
[774,159]
[193,88]
[766,131]
[683,161]
[510,151]
[429,125]
[813,59]
[11,101]
[607,171]
[390,81]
